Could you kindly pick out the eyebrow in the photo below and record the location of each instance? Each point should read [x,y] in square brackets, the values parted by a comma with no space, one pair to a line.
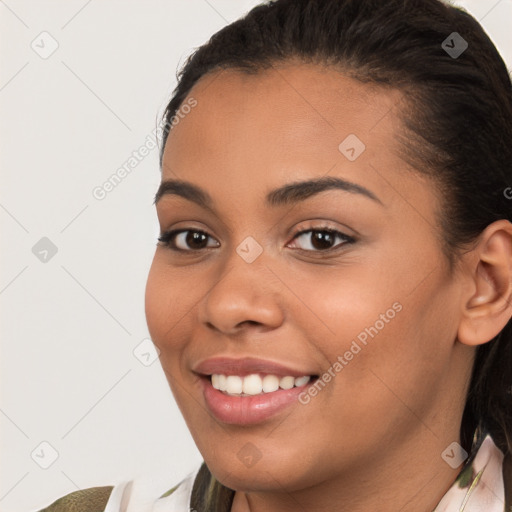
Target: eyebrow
[290,193]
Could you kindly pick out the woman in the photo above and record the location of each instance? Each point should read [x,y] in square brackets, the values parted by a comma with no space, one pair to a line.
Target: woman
[331,292]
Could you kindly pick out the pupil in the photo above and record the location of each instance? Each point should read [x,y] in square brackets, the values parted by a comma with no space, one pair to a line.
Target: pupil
[322,240]
[194,239]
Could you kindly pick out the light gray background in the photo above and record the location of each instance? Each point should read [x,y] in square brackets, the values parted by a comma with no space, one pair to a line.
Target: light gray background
[70,325]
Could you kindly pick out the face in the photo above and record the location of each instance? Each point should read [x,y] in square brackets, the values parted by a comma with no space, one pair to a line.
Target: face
[342,281]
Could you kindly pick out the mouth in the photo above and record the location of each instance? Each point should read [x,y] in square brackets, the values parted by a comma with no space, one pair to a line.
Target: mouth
[252,399]
[250,391]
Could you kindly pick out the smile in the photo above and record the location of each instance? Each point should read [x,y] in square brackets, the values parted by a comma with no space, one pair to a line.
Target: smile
[255,384]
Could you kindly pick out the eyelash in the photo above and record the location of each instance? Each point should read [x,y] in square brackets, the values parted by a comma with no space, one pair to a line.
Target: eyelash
[167,239]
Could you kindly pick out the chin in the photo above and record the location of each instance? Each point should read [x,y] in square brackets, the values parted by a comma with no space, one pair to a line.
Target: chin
[271,474]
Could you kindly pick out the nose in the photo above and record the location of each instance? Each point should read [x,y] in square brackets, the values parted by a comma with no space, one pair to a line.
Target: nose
[244,295]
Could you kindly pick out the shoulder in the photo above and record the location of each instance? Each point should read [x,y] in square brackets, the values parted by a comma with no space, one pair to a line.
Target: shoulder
[179,496]
[147,493]
[92,499]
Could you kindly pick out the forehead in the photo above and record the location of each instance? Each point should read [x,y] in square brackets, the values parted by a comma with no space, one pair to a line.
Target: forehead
[288,122]
[295,91]
[293,108]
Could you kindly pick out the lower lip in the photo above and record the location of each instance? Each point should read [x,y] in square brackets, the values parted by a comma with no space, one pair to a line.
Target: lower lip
[248,410]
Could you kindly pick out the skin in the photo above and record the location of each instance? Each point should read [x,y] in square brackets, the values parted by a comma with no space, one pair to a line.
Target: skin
[372,438]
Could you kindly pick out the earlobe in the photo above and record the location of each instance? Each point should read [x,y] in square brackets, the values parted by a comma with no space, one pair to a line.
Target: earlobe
[489,308]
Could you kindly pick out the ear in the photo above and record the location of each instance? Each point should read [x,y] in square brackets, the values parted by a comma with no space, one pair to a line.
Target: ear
[487,304]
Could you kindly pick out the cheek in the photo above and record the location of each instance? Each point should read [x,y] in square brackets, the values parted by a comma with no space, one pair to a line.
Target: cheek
[398,373]
[157,302]
[343,305]
[387,347]
[168,301]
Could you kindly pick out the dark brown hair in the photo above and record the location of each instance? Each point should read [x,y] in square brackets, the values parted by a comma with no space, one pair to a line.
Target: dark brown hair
[457,119]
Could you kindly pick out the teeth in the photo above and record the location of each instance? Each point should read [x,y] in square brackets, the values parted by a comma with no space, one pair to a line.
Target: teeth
[300,381]
[270,383]
[233,385]
[254,384]
[287,382]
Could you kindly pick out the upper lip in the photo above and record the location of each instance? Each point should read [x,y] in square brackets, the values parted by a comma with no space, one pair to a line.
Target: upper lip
[245,366]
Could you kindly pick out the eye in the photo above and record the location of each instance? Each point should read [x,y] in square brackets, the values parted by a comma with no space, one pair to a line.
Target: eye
[322,239]
[316,240]
[185,240]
